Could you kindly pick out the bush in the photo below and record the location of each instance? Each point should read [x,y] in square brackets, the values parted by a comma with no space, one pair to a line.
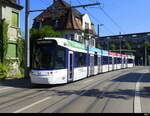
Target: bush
[3,72]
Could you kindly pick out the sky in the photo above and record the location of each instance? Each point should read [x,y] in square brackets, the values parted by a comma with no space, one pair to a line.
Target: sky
[116,16]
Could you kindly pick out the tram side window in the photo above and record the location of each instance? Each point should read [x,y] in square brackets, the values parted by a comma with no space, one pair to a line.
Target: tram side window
[118,60]
[104,60]
[60,59]
[124,60]
[95,60]
[110,60]
[130,60]
[115,60]
[80,59]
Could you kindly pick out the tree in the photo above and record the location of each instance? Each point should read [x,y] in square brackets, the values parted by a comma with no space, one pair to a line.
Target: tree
[3,40]
[45,31]
[128,46]
[146,44]
[113,47]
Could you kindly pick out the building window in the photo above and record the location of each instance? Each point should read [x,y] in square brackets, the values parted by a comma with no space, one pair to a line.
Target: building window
[72,36]
[12,48]
[15,19]
[56,25]
[86,25]
[66,36]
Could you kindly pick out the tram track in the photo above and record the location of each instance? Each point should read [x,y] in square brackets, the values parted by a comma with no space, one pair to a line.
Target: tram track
[83,92]
[62,98]
[102,95]
[26,97]
[93,86]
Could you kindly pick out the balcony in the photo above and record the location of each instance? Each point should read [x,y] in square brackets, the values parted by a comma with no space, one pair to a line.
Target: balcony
[89,31]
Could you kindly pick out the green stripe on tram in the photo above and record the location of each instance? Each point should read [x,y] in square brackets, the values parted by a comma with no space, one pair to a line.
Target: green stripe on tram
[77,45]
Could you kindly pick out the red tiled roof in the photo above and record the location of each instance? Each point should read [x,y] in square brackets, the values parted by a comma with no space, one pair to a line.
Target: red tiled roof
[73,16]
[13,3]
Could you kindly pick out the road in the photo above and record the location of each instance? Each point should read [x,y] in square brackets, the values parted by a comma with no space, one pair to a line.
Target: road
[122,91]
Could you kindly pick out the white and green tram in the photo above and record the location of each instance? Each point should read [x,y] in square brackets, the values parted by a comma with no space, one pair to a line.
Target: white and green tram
[59,61]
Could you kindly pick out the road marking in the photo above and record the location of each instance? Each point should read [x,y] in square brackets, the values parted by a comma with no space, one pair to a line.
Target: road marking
[137,101]
[88,81]
[31,105]
[5,88]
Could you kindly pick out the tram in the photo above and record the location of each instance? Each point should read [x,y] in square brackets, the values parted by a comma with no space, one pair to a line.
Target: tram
[60,61]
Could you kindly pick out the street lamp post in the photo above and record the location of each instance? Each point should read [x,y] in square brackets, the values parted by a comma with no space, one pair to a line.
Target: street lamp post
[98,29]
[120,44]
[145,51]
[108,43]
[27,41]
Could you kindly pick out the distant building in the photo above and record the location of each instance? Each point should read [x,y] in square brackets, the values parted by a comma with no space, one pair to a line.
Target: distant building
[69,21]
[10,12]
[129,44]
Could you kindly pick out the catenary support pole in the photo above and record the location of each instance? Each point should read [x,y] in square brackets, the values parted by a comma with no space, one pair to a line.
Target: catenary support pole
[27,40]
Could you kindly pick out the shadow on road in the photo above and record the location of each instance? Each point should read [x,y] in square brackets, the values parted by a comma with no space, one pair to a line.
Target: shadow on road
[118,93]
[23,83]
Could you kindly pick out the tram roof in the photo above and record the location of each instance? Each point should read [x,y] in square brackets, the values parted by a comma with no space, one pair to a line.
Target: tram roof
[76,46]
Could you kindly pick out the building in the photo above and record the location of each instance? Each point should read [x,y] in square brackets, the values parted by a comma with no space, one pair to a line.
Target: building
[73,25]
[133,43]
[10,12]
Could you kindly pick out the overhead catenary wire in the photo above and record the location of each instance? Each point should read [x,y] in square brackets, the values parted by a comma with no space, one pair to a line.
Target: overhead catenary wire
[44,2]
[97,20]
[113,21]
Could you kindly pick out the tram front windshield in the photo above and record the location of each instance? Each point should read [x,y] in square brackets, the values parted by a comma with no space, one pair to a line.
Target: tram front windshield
[48,56]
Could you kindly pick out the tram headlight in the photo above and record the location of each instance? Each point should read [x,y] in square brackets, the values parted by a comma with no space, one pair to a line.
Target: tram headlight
[50,73]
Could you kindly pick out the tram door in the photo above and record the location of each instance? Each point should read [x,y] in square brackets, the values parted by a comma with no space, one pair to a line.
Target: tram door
[70,67]
[113,63]
[92,65]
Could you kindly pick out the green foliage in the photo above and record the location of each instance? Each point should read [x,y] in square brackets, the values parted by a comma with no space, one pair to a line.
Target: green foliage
[20,52]
[45,31]
[113,47]
[3,72]
[128,46]
[99,46]
[147,44]
[3,40]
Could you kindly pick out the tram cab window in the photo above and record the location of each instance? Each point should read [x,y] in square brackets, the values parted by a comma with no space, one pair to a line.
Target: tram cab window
[49,56]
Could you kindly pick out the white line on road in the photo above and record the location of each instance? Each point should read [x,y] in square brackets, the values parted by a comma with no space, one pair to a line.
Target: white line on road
[137,101]
[31,105]
[5,88]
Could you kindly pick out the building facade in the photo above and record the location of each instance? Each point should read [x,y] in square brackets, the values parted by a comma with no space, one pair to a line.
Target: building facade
[10,12]
[69,21]
[129,44]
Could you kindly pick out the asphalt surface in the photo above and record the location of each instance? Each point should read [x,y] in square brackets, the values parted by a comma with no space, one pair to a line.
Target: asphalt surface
[122,91]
